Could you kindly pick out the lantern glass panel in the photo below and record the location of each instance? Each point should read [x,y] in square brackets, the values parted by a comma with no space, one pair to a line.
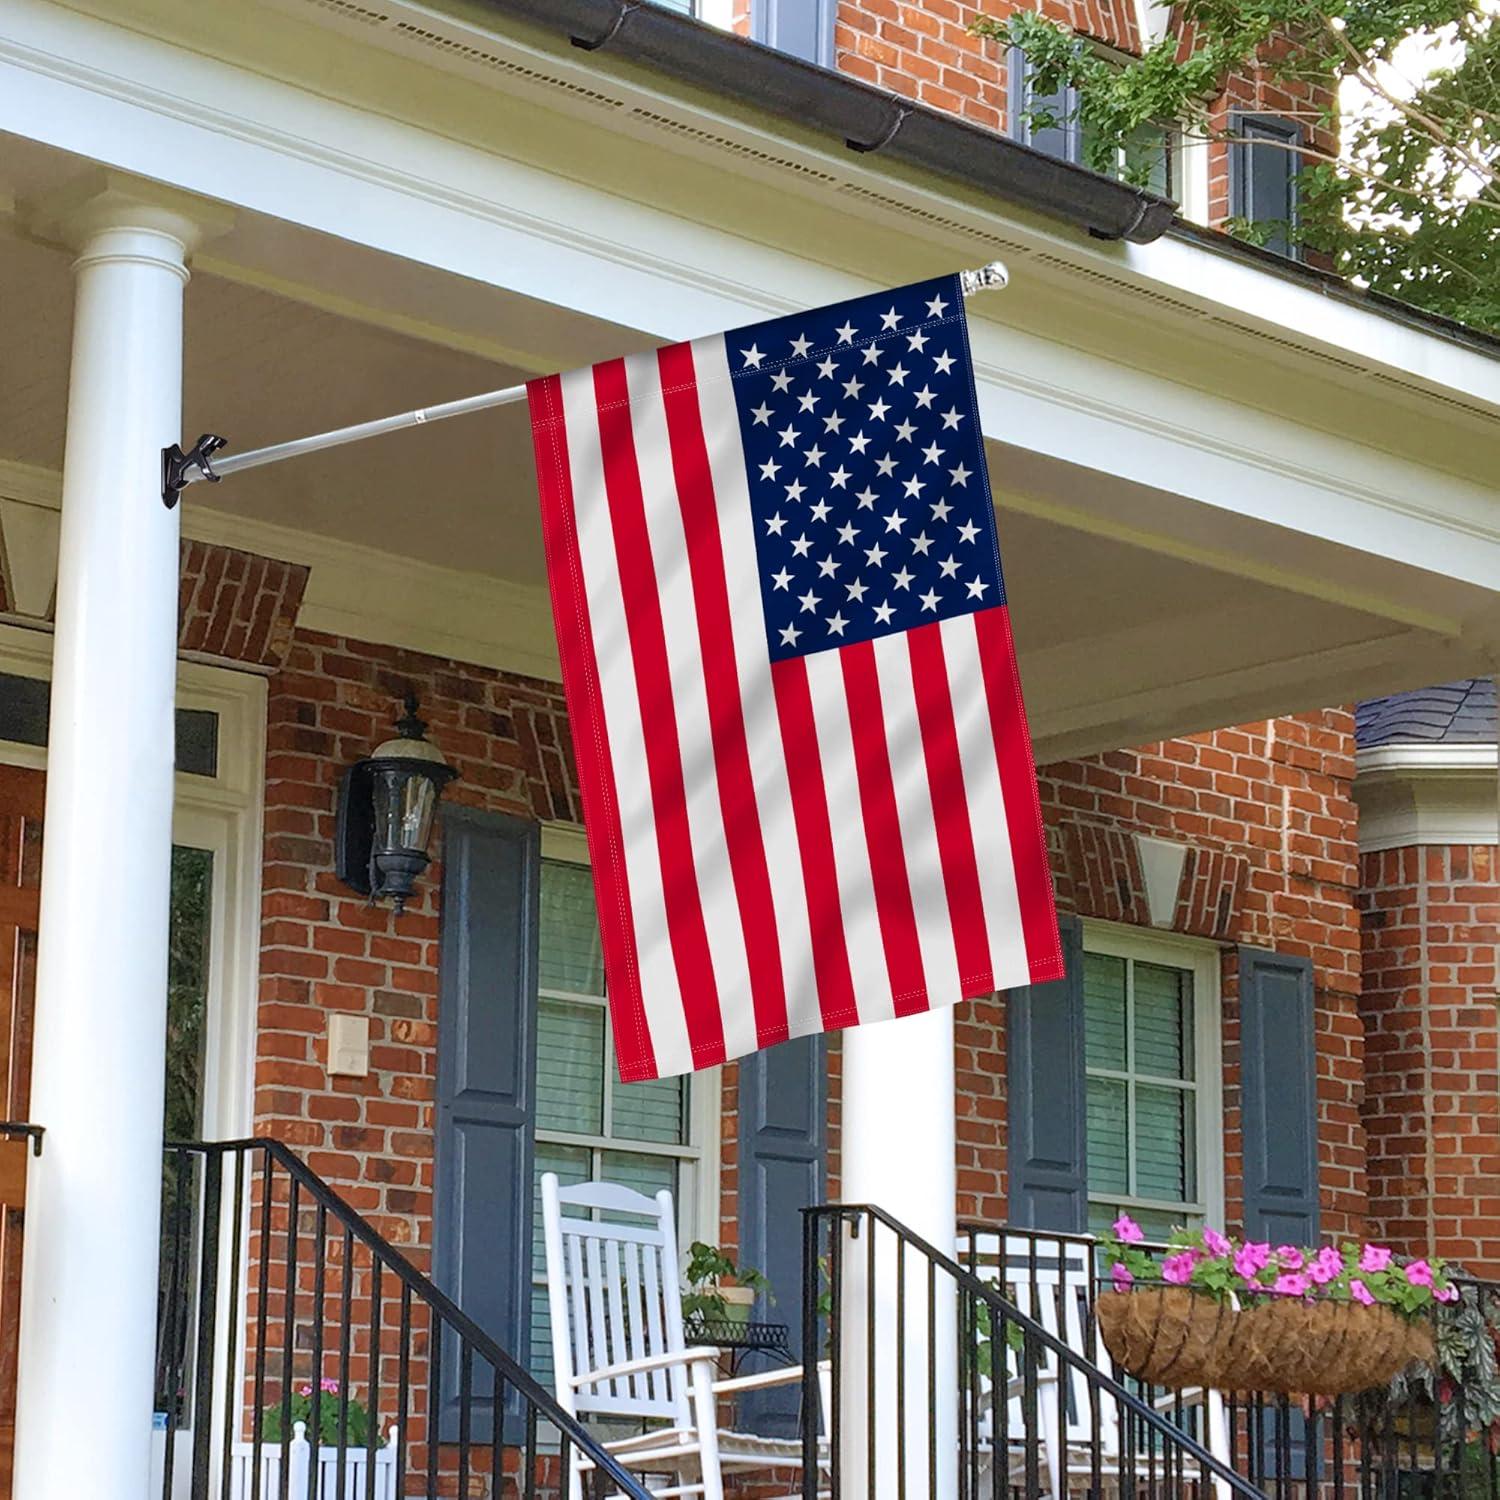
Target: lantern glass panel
[404,805]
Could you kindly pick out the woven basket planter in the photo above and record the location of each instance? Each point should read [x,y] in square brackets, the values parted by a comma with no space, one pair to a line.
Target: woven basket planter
[1173,1337]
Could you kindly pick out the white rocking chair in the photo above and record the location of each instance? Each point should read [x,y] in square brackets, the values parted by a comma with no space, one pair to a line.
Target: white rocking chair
[618,1350]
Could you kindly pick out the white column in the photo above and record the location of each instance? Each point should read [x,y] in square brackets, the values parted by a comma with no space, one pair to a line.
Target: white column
[898,1152]
[88,1302]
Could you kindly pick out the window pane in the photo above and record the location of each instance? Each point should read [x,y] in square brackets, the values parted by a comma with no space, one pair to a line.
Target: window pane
[1157,1223]
[572,1164]
[198,741]
[1107,1144]
[570,957]
[1161,1162]
[23,709]
[653,1111]
[1163,1026]
[191,912]
[1148,158]
[1104,1011]
[646,1174]
[570,1067]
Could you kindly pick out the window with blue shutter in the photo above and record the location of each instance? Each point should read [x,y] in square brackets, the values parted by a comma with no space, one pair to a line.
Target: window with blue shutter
[486,1086]
[1148,156]
[1263,177]
[783,1168]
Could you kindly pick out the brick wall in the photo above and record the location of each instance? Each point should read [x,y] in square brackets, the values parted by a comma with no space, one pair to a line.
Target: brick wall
[1275,796]
[1430,930]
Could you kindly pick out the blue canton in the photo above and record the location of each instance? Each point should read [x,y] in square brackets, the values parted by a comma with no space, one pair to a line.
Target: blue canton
[866,468]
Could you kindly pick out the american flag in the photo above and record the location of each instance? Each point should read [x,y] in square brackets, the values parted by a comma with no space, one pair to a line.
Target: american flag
[807,780]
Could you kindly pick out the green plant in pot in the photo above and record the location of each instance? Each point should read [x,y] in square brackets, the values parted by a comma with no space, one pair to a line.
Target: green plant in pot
[357,1421]
[718,1290]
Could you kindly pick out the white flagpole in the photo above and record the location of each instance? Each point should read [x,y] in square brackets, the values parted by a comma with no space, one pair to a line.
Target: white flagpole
[193,469]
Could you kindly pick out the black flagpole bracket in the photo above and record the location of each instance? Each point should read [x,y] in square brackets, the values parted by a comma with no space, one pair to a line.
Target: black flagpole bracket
[177,465]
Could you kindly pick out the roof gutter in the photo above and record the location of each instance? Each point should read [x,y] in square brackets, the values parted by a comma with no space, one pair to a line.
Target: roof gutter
[868,120]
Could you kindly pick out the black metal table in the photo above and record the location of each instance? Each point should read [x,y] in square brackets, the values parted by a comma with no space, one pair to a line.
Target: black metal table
[739,1340]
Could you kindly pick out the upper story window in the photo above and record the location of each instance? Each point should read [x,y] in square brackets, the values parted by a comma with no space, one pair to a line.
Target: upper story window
[1149,157]
[1263,164]
[1151,1053]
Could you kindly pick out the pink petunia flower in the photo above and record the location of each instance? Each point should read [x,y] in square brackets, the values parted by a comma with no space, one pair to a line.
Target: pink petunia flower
[1374,1258]
[1178,1268]
[1127,1231]
[1290,1258]
[1122,1277]
[1447,1293]
[1215,1243]
[1250,1259]
[1419,1273]
[1292,1284]
[1328,1266]
[1360,1292]
[305,1390]
[329,1387]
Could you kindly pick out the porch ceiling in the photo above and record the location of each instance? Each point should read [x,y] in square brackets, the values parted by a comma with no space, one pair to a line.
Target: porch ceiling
[1138,612]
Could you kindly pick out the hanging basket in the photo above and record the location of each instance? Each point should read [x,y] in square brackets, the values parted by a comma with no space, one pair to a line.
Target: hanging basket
[1174,1337]
[1166,1335]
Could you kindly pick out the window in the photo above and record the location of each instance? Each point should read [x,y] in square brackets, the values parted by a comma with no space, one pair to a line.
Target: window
[1151,1054]
[589,1124]
[1152,150]
[24,707]
[1263,178]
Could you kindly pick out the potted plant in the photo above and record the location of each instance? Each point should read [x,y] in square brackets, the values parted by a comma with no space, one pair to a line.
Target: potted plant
[314,1460]
[718,1290]
[1242,1315]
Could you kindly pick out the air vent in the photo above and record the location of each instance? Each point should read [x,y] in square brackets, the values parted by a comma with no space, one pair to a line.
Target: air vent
[1129,288]
[1467,407]
[723,143]
[351,12]
[1302,351]
[942,221]
[497,64]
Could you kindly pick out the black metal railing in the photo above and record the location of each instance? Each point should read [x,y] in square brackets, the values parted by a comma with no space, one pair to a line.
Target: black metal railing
[301,1356]
[1430,1436]
[954,1389]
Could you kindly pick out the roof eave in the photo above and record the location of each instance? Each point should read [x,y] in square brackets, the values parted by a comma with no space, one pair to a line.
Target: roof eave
[868,120]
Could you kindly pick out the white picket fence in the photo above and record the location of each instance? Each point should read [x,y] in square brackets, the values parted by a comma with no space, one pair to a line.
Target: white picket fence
[305,1464]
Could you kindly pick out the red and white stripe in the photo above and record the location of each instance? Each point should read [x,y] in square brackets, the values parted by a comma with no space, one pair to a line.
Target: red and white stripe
[784,848]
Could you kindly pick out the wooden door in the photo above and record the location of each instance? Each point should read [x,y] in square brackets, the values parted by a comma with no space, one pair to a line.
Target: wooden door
[20,880]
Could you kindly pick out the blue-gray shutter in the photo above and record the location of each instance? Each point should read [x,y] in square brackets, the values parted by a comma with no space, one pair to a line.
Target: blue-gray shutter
[783,1168]
[1278,1109]
[1279,1120]
[1046,1091]
[1263,178]
[802,27]
[486,1089]
[1061,139]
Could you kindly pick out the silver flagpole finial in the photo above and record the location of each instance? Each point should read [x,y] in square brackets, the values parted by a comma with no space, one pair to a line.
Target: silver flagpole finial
[988,278]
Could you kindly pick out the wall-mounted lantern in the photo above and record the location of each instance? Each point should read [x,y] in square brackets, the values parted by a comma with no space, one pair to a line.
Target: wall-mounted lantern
[386,807]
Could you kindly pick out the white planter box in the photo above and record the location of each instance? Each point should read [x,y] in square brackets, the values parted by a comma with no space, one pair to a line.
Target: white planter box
[304,1463]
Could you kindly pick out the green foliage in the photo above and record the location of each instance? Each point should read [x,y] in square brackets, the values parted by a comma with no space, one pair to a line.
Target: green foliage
[708,1269]
[1206,1261]
[1466,1345]
[1409,203]
[357,1429]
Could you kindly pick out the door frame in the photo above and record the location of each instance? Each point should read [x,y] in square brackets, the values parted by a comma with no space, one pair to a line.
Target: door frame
[221,813]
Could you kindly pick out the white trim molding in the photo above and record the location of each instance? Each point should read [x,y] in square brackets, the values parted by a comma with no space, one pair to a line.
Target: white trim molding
[1412,795]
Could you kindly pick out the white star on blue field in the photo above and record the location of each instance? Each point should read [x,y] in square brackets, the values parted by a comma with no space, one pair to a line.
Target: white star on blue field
[866,470]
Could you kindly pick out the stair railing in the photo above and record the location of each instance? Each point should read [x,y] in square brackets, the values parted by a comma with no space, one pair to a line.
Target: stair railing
[302,1356]
[955,1390]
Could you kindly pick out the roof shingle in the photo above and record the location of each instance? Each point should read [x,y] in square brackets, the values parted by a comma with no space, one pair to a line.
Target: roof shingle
[1453,713]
